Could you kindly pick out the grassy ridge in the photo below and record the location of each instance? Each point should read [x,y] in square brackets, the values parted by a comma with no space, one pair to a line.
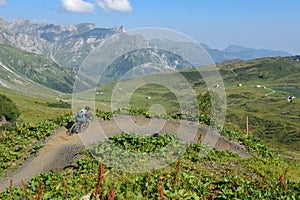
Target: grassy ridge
[273,69]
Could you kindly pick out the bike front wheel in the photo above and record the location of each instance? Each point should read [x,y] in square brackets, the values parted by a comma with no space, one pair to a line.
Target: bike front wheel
[75,128]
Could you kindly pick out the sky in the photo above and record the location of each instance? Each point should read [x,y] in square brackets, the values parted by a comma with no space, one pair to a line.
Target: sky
[268,24]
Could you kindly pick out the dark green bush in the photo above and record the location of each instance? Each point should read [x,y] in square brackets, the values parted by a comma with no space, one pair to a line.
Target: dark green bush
[8,109]
[59,104]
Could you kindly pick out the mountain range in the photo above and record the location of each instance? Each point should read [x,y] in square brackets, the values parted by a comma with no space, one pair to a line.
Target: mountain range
[243,53]
[51,55]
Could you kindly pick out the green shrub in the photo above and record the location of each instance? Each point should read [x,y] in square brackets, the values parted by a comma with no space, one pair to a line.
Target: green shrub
[205,107]
[59,104]
[8,109]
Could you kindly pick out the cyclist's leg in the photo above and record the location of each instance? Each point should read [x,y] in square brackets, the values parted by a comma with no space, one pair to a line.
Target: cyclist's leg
[81,121]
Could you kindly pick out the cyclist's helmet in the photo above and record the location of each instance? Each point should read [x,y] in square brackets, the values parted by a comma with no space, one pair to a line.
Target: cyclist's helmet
[87,108]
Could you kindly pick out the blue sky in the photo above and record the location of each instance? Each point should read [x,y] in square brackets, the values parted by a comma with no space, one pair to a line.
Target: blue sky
[271,24]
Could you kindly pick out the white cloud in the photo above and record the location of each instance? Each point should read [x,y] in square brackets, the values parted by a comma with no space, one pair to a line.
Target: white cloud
[115,5]
[78,6]
[2,2]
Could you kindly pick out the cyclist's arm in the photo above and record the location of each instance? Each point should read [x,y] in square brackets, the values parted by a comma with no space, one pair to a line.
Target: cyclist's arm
[88,115]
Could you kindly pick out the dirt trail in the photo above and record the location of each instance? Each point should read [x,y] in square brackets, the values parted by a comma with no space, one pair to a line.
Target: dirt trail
[60,149]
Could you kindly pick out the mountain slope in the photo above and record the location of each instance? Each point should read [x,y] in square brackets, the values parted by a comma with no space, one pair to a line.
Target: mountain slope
[21,67]
[265,70]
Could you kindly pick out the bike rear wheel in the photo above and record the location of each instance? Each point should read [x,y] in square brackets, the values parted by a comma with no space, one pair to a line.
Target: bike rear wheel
[77,127]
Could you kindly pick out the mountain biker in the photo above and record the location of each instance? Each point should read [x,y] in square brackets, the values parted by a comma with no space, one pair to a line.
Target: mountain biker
[83,115]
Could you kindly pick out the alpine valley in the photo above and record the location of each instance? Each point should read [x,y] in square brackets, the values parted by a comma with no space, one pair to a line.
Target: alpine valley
[50,55]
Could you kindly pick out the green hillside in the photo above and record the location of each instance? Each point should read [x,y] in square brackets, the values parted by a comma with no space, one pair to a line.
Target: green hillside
[36,108]
[273,70]
[271,116]
[28,66]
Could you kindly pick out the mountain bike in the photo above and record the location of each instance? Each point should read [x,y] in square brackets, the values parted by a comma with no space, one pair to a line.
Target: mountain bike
[78,127]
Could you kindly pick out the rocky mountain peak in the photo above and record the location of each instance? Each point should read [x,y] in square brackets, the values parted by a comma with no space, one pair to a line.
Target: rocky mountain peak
[119,29]
[66,45]
[21,21]
[22,26]
[3,23]
[83,27]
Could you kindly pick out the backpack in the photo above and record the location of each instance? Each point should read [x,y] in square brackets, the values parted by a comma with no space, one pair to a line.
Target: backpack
[81,113]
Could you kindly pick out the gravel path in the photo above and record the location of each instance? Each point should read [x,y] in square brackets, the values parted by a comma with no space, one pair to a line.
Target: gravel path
[60,149]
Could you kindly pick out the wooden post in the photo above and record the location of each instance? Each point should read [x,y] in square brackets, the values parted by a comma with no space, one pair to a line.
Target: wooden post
[247,126]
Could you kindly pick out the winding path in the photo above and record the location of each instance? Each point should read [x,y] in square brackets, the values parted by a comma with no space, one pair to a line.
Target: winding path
[60,149]
[269,93]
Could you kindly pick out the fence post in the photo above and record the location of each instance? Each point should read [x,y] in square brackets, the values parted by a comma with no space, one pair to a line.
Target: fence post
[247,126]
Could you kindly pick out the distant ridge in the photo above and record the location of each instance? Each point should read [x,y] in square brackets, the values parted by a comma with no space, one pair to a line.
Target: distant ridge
[243,53]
